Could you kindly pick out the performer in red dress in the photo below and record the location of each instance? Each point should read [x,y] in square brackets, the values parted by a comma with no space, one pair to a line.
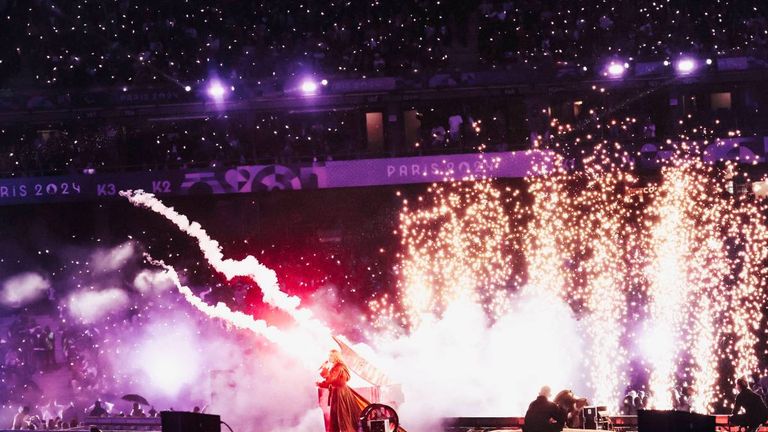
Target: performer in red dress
[345,407]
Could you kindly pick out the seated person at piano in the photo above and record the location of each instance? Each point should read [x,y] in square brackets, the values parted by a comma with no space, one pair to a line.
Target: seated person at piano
[574,408]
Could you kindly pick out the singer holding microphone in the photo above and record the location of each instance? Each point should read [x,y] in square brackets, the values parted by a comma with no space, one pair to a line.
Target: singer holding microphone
[345,411]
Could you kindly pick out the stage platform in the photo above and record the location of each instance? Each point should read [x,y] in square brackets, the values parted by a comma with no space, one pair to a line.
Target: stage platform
[114,424]
[625,423]
[622,423]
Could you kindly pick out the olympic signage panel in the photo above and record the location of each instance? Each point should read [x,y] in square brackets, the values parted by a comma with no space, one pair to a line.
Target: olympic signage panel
[428,169]
[263,178]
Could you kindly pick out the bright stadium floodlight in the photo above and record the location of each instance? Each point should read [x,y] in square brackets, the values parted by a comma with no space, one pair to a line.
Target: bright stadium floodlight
[685,66]
[216,90]
[308,87]
[616,70]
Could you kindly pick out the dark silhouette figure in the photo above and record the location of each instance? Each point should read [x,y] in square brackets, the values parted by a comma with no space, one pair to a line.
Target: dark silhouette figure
[543,415]
[755,411]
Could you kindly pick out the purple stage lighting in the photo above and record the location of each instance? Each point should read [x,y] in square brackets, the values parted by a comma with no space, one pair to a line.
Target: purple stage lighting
[216,90]
[616,70]
[308,87]
[685,66]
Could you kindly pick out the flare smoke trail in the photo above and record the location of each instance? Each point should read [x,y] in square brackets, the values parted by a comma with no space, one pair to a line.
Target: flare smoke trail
[299,344]
[248,267]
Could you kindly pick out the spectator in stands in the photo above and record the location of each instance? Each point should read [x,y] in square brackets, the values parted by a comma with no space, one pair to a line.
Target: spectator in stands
[137,411]
[543,415]
[649,129]
[21,418]
[98,410]
[762,384]
[641,400]
[49,360]
[755,411]
[757,386]
[454,127]
[438,137]
[70,413]
[35,423]
[628,405]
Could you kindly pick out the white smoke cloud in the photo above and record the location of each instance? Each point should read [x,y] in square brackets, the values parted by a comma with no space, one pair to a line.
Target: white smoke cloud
[107,260]
[23,289]
[178,359]
[152,282]
[311,421]
[462,365]
[268,389]
[90,306]
[169,357]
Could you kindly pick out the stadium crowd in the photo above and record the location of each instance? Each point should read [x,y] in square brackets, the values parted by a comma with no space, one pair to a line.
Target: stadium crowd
[286,138]
[119,42]
[258,138]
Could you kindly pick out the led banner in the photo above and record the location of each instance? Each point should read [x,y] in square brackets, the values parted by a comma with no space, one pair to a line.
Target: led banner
[427,169]
[261,178]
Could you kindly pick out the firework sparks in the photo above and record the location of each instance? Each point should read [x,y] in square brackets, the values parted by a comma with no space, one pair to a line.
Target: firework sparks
[455,249]
[704,282]
[748,233]
[687,266]
[690,256]
[573,252]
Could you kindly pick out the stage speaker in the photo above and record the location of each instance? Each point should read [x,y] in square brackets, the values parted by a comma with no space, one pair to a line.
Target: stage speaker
[593,416]
[180,421]
[674,421]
